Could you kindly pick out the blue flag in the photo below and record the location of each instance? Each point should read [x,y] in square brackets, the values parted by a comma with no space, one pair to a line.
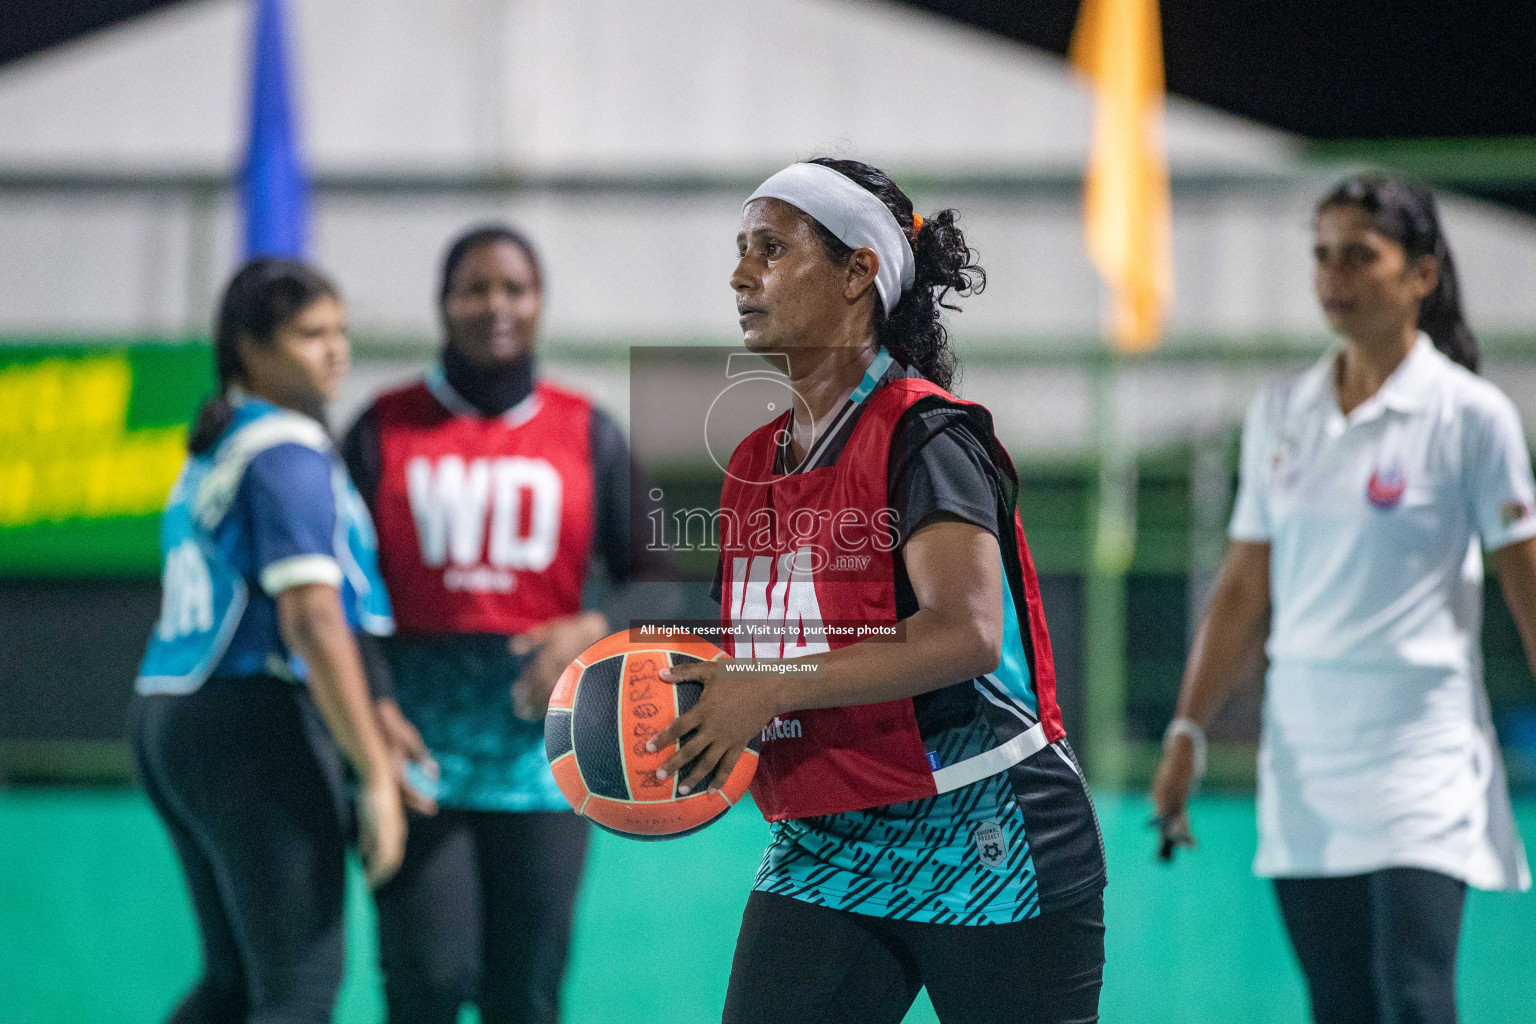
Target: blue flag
[274,191]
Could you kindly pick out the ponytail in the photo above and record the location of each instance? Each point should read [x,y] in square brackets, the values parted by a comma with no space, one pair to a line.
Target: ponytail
[1440,314]
[213,418]
[914,331]
[264,295]
[1405,212]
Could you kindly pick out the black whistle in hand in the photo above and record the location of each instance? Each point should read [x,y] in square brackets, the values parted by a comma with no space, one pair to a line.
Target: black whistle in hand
[1172,833]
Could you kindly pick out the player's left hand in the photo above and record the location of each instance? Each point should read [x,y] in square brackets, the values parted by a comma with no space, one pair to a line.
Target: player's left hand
[406,746]
[553,645]
[712,734]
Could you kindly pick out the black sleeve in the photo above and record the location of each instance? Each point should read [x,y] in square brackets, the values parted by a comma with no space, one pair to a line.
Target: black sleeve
[611,470]
[940,470]
[381,681]
[620,536]
[365,460]
[645,582]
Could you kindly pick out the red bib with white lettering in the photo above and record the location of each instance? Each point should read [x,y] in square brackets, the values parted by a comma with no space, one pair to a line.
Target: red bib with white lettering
[808,565]
[484,522]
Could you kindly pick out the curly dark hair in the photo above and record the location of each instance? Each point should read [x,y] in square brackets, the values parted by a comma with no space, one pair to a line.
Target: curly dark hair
[914,331]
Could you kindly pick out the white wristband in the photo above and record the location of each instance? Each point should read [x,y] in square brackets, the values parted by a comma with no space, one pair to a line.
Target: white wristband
[1188,727]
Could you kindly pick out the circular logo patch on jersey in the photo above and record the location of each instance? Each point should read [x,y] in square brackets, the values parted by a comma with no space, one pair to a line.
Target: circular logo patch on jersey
[991,844]
[1386,486]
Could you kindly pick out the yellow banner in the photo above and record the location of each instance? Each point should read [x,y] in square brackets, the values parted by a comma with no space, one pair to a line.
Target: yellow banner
[66,452]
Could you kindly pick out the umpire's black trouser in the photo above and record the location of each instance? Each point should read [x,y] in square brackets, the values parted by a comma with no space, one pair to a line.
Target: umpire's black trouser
[1378,948]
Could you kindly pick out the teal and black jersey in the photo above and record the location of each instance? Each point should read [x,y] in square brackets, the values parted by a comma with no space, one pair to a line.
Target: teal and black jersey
[1010,847]
[456,690]
[962,857]
[1007,848]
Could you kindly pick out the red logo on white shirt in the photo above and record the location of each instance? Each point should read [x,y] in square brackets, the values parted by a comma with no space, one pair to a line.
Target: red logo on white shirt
[1386,486]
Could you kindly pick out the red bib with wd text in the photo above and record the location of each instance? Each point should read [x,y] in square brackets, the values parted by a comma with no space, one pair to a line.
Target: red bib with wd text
[484,522]
[808,565]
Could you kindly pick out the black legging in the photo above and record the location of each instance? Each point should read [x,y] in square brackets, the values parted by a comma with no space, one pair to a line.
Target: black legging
[800,962]
[481,913]
[1378,948]
[249,787]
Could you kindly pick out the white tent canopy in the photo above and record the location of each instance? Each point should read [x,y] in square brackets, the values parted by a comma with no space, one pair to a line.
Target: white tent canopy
[553,85]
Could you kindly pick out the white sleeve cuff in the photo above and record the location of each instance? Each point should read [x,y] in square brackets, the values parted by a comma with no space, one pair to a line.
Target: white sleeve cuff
[1525,529]
[298,571]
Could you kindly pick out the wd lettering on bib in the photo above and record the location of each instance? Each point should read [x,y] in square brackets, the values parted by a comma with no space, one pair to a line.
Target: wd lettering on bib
[485,522]
[451,502]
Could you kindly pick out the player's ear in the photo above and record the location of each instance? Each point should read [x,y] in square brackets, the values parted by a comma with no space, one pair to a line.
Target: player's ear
[1425,271]
[862,267]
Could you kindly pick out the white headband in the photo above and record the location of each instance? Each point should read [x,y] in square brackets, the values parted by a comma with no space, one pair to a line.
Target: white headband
[854,215]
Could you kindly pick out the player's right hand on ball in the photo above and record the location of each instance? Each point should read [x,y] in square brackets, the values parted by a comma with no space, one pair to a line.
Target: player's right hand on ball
[381,829]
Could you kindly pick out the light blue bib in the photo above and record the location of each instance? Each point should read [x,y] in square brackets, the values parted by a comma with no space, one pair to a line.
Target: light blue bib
[203,595]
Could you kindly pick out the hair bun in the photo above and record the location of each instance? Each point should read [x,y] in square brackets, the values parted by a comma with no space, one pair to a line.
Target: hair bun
[914,331]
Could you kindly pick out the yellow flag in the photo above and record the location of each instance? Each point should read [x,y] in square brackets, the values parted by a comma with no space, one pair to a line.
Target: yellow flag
[1118,46]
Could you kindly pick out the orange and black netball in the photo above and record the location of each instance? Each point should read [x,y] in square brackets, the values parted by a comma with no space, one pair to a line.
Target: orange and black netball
[608,703]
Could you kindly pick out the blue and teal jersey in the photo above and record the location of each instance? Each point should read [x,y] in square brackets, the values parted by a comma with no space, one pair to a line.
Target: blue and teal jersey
[268,507]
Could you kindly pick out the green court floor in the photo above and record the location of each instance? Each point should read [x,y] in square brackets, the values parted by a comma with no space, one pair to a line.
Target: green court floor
[94,926]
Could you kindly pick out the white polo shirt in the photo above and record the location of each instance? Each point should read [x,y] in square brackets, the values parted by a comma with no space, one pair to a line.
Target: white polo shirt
[1378,750]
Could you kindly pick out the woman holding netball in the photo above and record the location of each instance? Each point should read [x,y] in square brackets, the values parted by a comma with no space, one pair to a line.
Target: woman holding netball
[930,823]
[252,678]
[494,491]
[1367,485]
